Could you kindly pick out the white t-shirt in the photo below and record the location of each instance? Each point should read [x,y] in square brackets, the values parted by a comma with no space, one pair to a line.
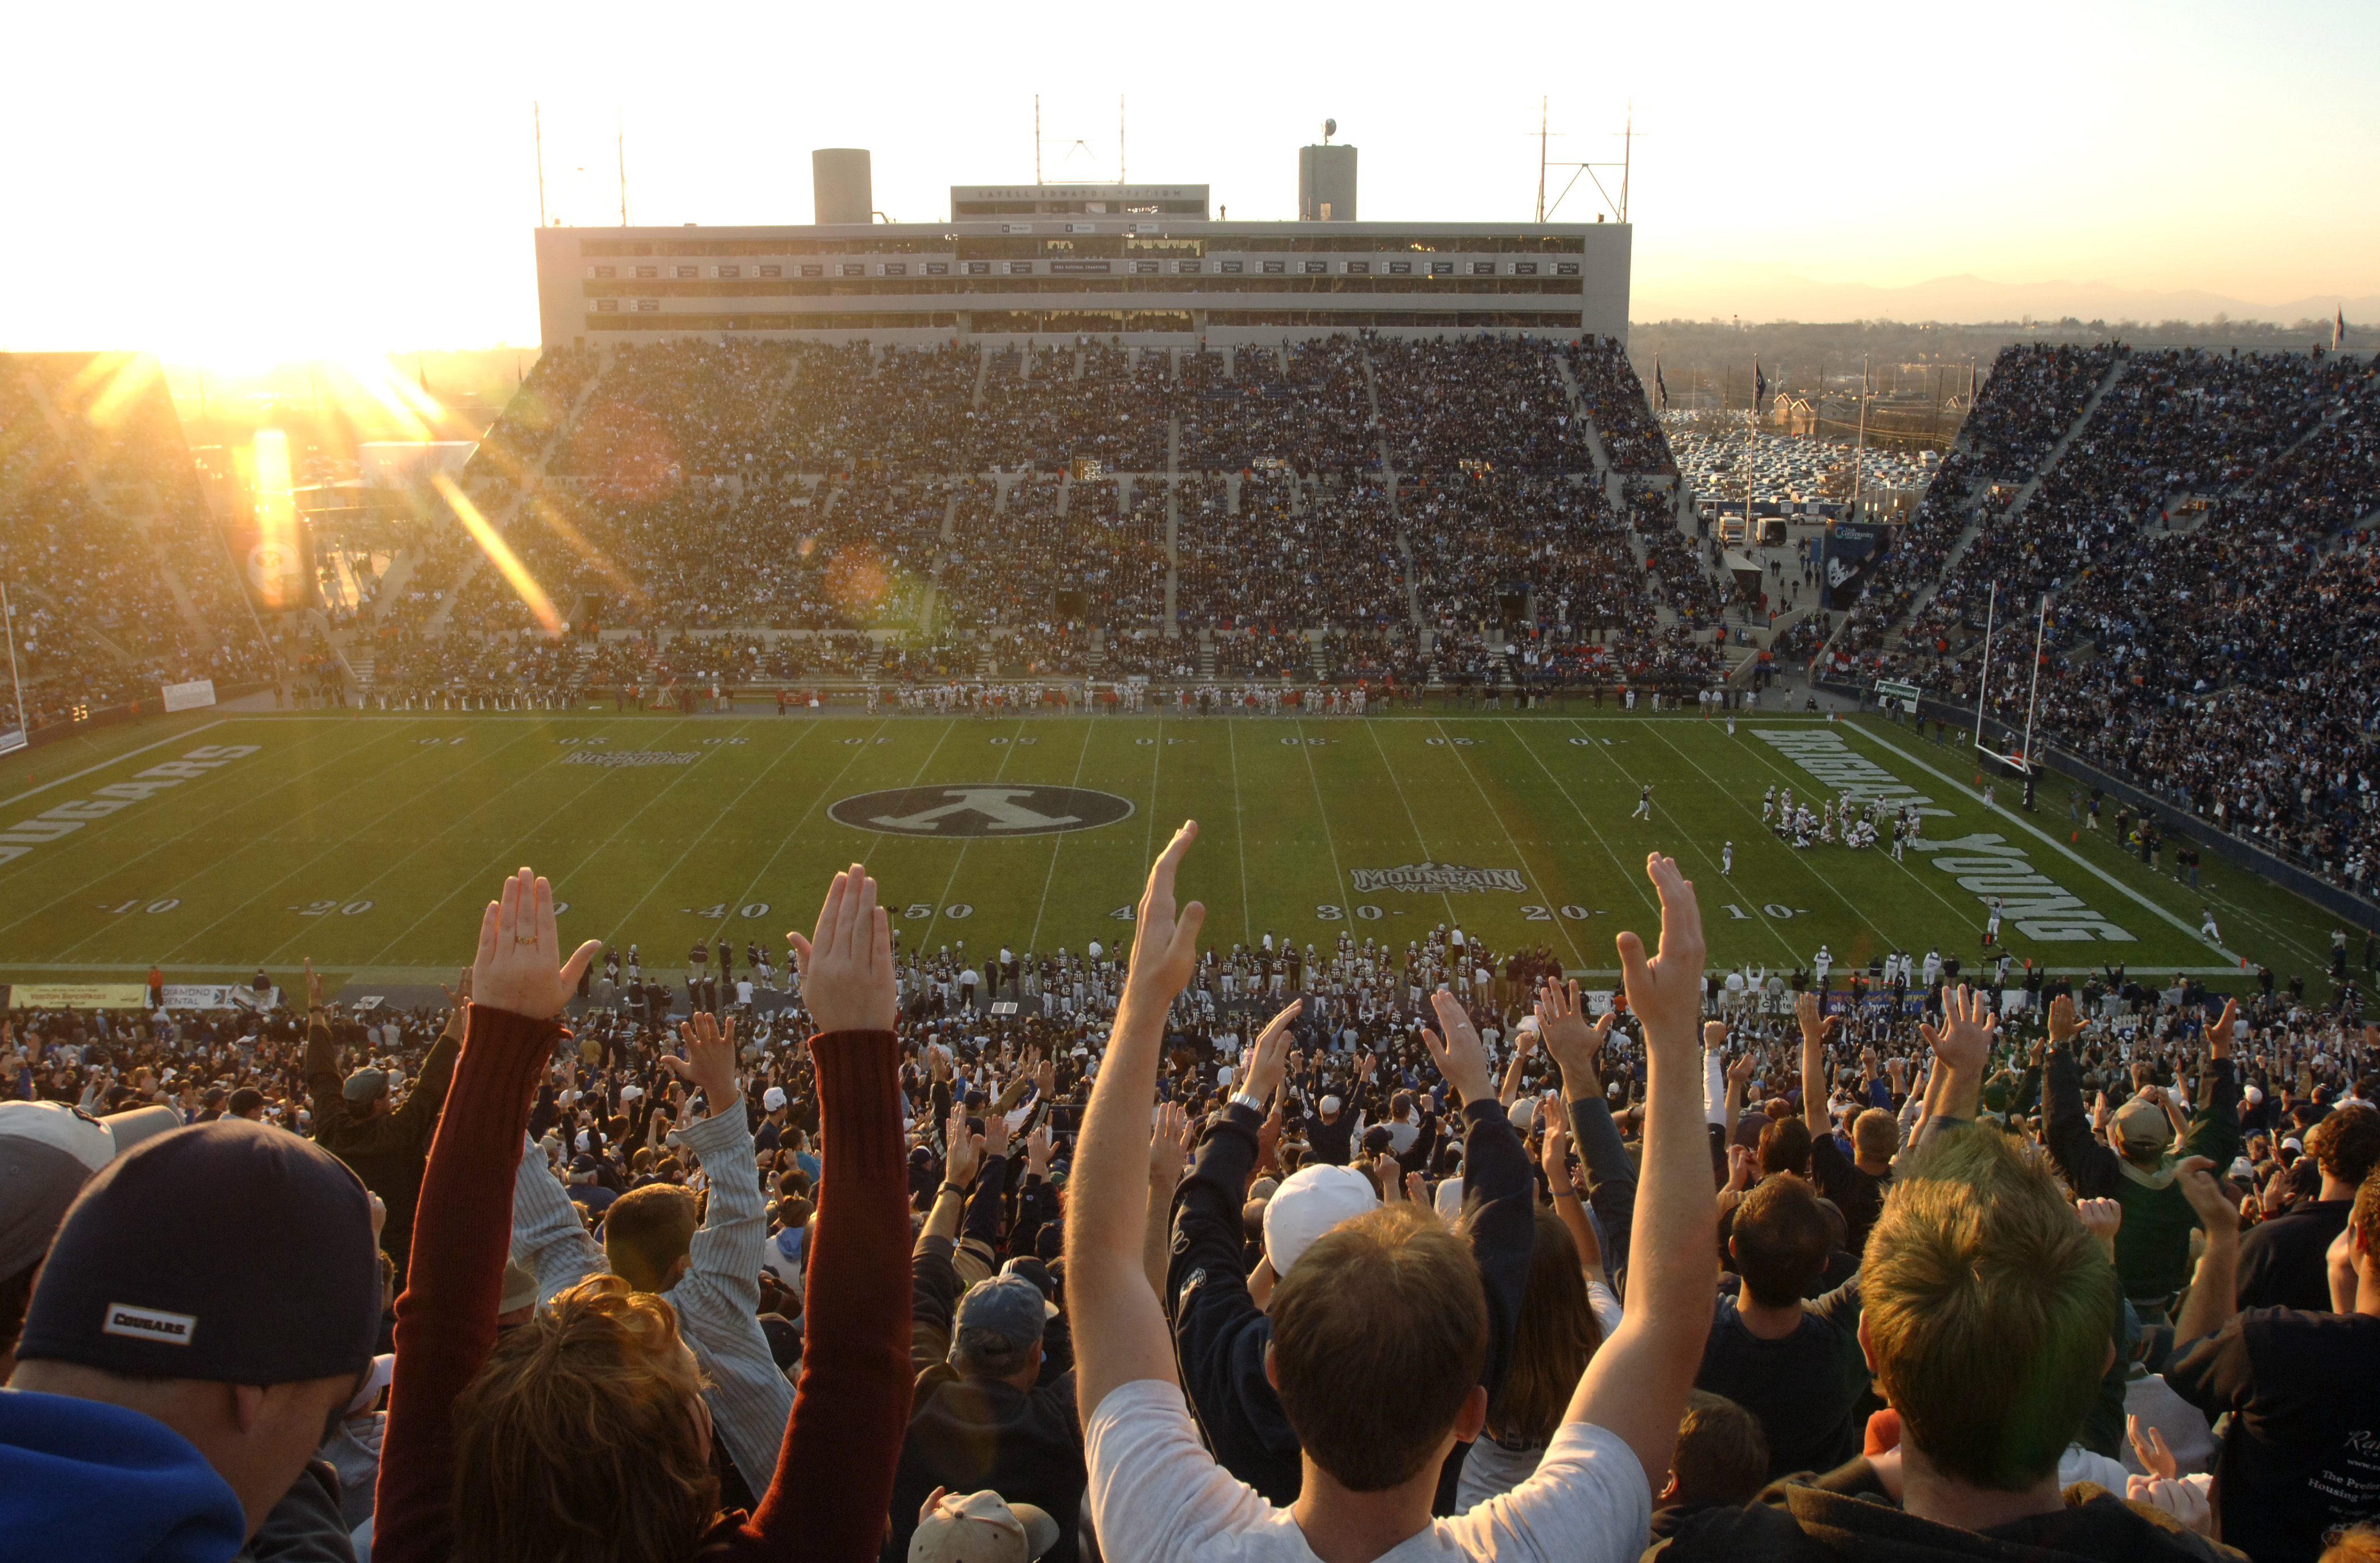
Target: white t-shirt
[1157,1496]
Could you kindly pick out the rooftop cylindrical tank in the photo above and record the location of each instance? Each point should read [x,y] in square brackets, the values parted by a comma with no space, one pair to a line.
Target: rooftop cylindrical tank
[842,185]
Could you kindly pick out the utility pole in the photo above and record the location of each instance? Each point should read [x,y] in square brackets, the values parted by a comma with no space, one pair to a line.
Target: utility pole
[1627,147]
[624,173]
[537,126]
[1859,451]
[1037,138]
[1120,138]
[1541,160]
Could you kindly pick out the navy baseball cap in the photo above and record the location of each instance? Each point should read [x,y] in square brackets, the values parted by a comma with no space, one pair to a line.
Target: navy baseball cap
[227,1251]
[999,1321]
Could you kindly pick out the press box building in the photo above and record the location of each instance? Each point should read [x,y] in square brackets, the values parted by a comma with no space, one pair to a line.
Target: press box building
[1143,262]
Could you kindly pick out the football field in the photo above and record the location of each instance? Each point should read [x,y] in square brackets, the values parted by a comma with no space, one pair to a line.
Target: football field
[216,843]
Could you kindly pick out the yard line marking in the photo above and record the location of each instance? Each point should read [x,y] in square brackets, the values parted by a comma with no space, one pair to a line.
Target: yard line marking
[174,840]
[1568,938]
[95,769]
[1824,882]
[1239,828]
[960,861]
[2051,842]
[386,869]
[1057,843]
[1421,841]
[1338,874]
[439,905]
[729,812]
[785,838]
[1632,880]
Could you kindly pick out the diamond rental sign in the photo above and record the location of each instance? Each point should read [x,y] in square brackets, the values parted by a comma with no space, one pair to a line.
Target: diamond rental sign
[1438,879]
[975,809]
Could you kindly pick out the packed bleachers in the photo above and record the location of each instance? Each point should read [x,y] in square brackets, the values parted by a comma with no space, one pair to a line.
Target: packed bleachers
[96,509]
[2206,634]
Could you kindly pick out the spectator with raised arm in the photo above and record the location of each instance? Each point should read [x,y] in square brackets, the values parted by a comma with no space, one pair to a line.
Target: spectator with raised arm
[2135,1164]
[707,1264]
[584,1433]
[357,1119]
[1380,1328]
[2299,1385]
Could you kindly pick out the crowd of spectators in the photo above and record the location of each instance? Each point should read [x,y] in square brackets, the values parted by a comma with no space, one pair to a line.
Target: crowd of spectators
[1480,403]
[1614,398]
[94,511]
[866,1250]
[2206,635]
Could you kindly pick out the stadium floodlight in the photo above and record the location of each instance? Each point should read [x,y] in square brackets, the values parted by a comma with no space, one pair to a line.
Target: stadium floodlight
[2021,760]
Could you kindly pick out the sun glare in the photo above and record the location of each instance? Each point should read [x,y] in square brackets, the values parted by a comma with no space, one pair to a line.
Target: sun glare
[498,553]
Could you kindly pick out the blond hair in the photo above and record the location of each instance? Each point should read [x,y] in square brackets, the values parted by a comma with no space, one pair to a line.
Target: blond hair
[581,1441]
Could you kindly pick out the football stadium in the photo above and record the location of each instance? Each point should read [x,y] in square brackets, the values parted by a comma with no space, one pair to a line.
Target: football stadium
[1231,887]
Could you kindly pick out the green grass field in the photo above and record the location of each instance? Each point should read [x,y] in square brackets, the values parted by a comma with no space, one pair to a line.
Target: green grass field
[367,843]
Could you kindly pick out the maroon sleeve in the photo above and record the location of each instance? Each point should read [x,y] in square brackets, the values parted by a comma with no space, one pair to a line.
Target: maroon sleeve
[447,1320]
[833,1483]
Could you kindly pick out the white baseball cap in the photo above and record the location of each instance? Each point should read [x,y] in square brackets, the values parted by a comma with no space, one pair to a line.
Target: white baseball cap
[1309,1203]
[773,1097]
[1331,1104]
[981,1528]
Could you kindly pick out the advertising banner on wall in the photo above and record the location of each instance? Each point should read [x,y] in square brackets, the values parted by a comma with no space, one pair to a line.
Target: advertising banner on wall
[1852,549]
[195,694]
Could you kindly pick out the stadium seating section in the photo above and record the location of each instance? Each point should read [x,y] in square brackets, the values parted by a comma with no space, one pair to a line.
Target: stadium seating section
[117,580]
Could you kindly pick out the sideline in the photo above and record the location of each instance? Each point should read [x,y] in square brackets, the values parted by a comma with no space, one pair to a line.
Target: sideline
[2061,847]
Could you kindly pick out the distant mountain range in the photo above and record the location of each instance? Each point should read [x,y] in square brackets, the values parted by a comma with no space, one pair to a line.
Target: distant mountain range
[1777,294]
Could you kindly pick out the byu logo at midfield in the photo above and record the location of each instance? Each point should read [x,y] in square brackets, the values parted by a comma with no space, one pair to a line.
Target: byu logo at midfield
[980,809]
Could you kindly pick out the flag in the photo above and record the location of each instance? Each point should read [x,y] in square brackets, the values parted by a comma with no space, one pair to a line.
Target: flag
[1660,386]
[2338,328]
[1759,385]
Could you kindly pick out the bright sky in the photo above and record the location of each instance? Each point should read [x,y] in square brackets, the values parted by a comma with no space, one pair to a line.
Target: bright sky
[234,186]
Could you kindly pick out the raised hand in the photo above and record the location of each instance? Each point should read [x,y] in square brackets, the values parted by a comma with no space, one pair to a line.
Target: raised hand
[2215,1212]
[517,967]
[1038,1150]
[710,1060]
[2063,1025]
[846,963]
[1169,1142]
[1666,990]
[2218,1037]
[1164,940]
[1386,1172]
[1815,1027]
[1740,1071]
[1964,1043]
[313,986]
[1460,1057]
[1556,1158]
[2148,1444]
[961,1149]
[460,994]
[1417,1188]
[2101,1218]
[1269,1055]
[1570,1038]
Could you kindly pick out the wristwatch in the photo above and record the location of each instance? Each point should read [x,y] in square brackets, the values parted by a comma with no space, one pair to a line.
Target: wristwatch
[1249,1100]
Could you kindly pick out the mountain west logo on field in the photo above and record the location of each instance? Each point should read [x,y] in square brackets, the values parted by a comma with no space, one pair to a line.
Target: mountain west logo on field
[993,808]
[1438,879]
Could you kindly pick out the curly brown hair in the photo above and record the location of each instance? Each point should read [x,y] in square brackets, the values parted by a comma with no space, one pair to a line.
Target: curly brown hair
[582,1438]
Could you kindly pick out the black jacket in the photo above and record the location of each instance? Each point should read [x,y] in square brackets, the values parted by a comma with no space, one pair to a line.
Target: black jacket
[1844,1517]
[1219,1335]
[968,1434]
